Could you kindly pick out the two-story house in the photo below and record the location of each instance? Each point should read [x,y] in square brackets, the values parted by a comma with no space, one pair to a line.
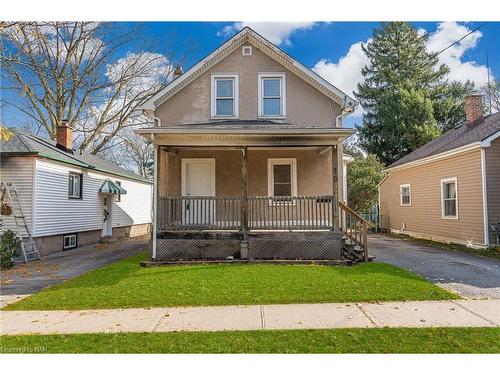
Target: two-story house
[249,161]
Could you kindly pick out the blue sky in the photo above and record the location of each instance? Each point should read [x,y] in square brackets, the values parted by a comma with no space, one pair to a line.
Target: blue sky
[331,49]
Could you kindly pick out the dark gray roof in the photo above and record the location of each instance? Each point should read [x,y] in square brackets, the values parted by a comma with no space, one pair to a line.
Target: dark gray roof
[455,138]
[247,124]
[24,143]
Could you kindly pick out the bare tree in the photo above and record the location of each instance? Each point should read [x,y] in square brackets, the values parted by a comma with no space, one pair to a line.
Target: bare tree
[492,95]
[65,70]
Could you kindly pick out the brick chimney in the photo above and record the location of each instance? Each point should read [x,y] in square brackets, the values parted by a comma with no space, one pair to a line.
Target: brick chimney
[474,109]
[177,72]
[64,136]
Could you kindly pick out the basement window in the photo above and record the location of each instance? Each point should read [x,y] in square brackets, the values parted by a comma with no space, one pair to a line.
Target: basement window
[69,241]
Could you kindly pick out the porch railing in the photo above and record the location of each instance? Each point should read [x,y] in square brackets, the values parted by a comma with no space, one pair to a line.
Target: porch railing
[177,213]
[355,228]
[291,213]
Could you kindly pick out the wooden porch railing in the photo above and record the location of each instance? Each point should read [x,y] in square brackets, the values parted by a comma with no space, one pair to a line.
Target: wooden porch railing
[177,213]
[199,213]
[354,227]
[291,213]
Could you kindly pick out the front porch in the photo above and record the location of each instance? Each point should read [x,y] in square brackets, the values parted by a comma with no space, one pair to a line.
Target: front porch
[242,197]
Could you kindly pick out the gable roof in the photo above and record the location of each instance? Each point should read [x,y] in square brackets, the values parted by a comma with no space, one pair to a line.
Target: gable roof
[24,143]
[454,139]
[248,35]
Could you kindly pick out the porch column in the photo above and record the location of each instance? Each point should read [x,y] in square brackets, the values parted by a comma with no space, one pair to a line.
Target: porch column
[335,184]
[155,198]
[244,203]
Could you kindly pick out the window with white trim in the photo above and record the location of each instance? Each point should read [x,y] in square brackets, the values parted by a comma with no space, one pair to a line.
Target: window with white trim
[449,198]
[225,95]
[282,177]
[405,193]
[69,241]
[272,95]
[75,186]
[118,196]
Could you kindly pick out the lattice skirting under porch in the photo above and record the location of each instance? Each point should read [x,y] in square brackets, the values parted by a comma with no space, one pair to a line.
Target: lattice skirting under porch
[326,246]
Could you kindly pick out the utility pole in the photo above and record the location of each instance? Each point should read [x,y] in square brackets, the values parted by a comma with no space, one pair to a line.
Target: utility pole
[489,81]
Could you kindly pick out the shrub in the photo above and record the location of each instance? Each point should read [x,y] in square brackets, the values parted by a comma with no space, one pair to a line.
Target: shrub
[8,248]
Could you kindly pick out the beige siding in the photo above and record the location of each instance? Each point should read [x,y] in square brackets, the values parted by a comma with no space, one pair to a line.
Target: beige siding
[492,156]
[423,218]
[304,104]
[314,175]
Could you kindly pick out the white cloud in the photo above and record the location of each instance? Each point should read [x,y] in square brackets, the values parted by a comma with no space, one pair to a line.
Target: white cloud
[446,34]
[276,32]
[346,72]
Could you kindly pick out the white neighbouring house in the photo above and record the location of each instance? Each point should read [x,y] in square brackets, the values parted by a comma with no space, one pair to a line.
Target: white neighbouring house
[72,199]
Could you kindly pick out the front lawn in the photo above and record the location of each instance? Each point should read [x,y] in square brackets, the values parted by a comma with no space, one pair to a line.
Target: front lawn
[126,284]
[353,340]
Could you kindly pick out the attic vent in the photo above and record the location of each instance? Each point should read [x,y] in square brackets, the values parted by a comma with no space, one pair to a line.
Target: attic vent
[246,50]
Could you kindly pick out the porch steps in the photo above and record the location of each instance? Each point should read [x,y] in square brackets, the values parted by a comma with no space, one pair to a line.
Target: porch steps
[351,250]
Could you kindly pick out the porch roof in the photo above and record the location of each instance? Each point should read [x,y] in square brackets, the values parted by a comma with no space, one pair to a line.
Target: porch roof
[237,131]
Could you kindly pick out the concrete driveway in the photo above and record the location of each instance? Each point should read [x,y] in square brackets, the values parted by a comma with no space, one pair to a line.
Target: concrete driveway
[469,275]
[34,276]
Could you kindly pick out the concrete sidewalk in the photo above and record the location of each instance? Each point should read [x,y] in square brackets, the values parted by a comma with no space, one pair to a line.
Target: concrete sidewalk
[463,313]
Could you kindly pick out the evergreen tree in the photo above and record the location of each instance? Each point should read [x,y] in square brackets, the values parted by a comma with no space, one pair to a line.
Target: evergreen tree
[400,85]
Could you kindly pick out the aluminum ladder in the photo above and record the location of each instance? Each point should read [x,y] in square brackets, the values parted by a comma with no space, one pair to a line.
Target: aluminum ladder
[28,245]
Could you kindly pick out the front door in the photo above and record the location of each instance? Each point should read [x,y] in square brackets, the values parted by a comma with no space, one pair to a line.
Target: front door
[107,203]
[198,181]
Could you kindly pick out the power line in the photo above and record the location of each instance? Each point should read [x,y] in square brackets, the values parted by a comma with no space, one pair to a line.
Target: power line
[462,38]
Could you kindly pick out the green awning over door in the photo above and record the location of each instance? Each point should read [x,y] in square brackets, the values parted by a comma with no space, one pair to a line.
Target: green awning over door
[110,187]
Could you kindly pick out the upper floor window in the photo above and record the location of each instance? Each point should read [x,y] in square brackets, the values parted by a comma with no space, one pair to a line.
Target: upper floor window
[272,95]
[405,192]
[449,198]
[75,188]
[225,95]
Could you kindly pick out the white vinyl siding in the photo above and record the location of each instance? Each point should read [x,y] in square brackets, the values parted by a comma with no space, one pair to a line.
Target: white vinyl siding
[55,213]
[20,171]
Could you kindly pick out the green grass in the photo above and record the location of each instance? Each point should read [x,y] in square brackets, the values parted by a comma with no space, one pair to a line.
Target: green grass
[125,284]
[355,340]
[491,252]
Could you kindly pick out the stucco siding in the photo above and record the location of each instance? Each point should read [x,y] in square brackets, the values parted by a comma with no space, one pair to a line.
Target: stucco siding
[304,104]
[55,213]
[492,156]
[424,217]
[20,172]
[314,175]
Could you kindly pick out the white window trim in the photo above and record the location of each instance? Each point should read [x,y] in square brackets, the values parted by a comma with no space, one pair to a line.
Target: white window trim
[80,190]
[401,194]
[270,174]
[248,50]
[73,235]
[443,181]
[260,77]
[213,112]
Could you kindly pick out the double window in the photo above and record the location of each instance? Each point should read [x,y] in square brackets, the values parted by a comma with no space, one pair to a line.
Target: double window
[75,188]
[271,92]
[225,95]
[405,193]
[69,241]
[449,198]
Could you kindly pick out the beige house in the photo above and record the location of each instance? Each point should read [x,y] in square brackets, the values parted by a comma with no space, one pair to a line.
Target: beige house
[249,160]
[449,189]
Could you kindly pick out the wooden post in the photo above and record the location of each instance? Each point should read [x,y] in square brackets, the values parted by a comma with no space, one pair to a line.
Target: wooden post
[244,203]
[365,241]
[335,188]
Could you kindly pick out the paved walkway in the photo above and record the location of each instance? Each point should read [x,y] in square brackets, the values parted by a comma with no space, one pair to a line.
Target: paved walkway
[463,313]
[27,278]
[469,275]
